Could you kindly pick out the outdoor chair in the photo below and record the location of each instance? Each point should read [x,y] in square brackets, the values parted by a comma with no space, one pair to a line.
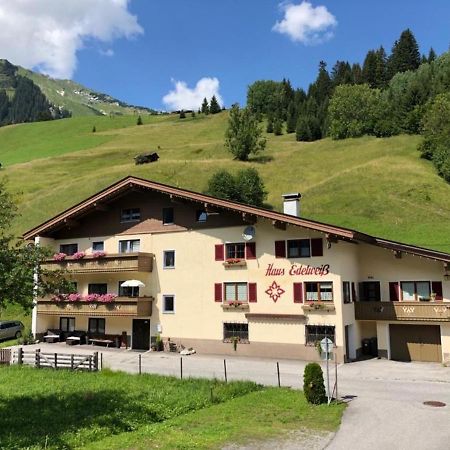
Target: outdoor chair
[53,336]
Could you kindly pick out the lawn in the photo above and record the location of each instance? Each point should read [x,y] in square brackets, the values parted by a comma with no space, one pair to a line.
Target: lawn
[378,186]
[58,409]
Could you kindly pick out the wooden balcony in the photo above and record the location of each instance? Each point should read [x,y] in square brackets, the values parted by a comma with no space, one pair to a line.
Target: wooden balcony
[318,307]
[121,306]
[116,262]
[403,311]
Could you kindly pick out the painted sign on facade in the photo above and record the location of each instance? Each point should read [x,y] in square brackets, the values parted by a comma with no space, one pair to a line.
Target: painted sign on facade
[298,269]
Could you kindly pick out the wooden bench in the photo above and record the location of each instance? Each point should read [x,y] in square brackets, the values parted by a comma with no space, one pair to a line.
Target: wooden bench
[107,342]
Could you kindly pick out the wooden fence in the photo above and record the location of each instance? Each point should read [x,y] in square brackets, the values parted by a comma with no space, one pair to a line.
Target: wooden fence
[5,356]
[39,360]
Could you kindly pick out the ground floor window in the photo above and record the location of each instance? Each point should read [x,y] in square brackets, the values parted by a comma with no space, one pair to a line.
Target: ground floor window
[415,290]
[96,325]
[319,291]
[67,324]
[235,330]
[315,333]
[236,292]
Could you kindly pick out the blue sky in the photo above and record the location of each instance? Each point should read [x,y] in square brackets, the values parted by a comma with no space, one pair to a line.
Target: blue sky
[137,50]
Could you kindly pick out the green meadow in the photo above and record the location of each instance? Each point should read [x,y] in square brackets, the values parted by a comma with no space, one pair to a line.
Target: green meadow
[47,409]
[378,186]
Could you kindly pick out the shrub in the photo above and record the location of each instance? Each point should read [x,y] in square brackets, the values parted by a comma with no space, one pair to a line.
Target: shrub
[313,385]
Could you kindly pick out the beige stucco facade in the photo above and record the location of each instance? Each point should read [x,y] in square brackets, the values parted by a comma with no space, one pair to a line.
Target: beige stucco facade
[276,326]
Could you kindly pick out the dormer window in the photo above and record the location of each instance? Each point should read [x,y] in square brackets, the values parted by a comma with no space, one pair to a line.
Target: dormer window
[130,215]
[168,216]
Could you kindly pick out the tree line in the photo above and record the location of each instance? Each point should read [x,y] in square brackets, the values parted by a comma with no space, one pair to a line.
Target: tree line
[21,100]
[387,95]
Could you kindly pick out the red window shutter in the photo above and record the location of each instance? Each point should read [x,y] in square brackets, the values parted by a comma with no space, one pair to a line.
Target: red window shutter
[394,292]
[298,292]
[353,292]
[316,247]
[436,287]
[220,252]
[250,250]
[252,292]
[280,249]
[218,292]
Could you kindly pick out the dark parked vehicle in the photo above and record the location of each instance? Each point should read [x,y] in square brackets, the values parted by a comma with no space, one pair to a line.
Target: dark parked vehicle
[10,329]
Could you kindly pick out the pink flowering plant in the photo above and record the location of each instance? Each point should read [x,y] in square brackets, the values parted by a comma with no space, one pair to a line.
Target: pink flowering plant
[74,297]
[90,298]
[107,298]
[59,256]
[58,298]
[78,255]
[99,254]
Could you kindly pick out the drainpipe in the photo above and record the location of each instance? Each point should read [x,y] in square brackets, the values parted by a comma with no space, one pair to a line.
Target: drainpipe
[37,241]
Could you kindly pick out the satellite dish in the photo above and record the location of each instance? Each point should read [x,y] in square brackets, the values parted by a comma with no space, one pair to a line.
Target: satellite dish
[249,233]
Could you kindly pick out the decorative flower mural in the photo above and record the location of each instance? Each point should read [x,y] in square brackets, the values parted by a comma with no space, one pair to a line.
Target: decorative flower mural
[275,291]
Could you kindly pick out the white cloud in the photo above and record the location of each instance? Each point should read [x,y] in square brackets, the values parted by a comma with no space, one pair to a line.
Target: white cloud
[306,23]
[46,34]
[107,52]
[183,97]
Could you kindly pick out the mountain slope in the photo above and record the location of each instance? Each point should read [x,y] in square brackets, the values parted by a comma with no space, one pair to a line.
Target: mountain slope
[378,186]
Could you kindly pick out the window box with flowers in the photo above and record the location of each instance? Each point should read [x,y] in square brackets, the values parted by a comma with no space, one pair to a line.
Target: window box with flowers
[235,305]
[319,306]
[78,255]
[59,256]
[234,262]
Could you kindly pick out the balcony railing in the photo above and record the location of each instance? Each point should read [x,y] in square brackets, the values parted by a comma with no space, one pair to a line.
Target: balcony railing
[121,306]
[403,311]
[116,262]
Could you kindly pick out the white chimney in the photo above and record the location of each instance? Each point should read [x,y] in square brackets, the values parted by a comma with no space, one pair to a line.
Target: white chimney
[291,204]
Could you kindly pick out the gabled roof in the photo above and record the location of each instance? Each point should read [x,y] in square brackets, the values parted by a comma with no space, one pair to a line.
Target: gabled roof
[130,182]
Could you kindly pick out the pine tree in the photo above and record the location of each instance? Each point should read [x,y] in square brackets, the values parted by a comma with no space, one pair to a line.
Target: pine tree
[278,126]
[341,73]
[405,54]
[139,120]
[214,106]
[431,55]
[94,129]
[291,119]
[302,131]
[269,128]
[357,74]
[369,69]
[205,107]
[4,106]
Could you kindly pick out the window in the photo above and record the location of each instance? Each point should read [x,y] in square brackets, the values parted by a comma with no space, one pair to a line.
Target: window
[96,326]
[235,330]
[127,291]
[201,215]
[236,292]
[369,291]
[130,215]
[299,248]
[68,249]
[319,291]
[169,259]
[235,251]
[97,288]
[98,246]
[168,216]
[415,290]
[67,324]
[346,292]
[131,246]
[168,304]
[315,333]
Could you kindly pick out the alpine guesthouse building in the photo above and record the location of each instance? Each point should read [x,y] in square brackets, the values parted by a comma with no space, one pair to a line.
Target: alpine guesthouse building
[216,275]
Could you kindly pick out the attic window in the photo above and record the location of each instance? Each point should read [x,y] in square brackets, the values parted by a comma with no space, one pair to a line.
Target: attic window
[201,215]
[130,215]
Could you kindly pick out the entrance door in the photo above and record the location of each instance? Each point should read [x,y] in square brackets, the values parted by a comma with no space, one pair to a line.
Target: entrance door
[415,342]
[141,334]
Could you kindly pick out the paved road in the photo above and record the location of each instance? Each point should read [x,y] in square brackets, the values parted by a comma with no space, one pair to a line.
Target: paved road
[385,398]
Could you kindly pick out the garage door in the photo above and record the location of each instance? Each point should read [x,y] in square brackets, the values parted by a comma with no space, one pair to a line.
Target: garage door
[415,342]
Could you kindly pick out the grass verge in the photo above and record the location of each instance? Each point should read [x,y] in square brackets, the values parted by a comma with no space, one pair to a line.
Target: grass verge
[59,409]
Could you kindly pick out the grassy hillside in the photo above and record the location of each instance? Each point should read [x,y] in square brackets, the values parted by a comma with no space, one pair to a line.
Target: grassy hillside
[379,186]
[78,99]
